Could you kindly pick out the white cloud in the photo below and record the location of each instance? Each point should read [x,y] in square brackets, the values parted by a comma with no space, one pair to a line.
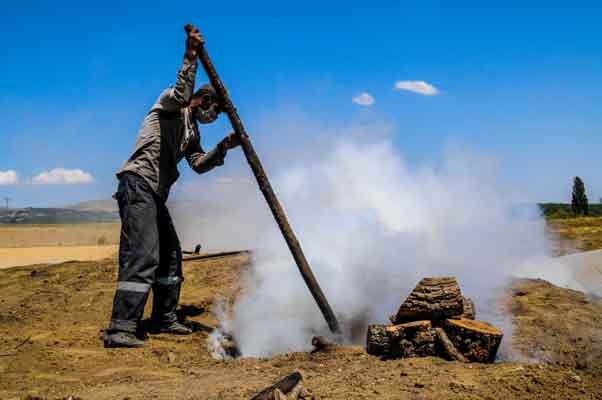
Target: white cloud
[420,87]
[363,99]
[8,177]
[62,176]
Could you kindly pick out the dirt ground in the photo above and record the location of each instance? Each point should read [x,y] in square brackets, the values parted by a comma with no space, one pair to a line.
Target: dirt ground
[51,320]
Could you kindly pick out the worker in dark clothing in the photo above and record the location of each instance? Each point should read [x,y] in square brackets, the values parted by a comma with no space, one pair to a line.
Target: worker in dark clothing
[149,252]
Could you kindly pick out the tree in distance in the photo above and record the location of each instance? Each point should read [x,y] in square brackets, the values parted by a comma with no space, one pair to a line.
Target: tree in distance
[579,202]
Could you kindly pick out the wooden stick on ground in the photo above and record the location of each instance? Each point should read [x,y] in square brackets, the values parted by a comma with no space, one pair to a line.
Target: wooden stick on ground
[285,385]
[266,189]
[448,347]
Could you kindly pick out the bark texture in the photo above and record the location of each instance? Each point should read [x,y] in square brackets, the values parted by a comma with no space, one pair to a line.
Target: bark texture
[447,347]
[478,341]
[414,339]
[470,312]
[432,299]
[377,340]
[435,320]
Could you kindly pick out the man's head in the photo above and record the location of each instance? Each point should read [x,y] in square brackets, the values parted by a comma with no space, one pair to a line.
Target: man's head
[205,104]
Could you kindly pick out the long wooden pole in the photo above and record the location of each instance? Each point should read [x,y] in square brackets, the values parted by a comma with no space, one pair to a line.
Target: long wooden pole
[266,189]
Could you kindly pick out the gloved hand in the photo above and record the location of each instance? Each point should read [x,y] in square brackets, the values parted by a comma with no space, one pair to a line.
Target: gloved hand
[194,41]
[229,142]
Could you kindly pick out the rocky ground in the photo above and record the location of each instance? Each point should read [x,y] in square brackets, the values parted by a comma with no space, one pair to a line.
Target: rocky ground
[51,318]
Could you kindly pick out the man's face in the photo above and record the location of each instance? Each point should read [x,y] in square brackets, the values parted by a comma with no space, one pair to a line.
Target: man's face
[208,109]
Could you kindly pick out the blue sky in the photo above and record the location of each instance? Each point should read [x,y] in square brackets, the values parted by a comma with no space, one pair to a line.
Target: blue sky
[521,81]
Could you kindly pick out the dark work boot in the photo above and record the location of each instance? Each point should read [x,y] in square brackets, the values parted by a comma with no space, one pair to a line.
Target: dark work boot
[175,328]
[164,318]
[121,339]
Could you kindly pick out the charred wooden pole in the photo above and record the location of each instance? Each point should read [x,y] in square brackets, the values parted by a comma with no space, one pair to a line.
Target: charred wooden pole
[266,189]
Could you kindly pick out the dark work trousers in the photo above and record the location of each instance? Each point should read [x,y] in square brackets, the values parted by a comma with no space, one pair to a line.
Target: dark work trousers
[149,257]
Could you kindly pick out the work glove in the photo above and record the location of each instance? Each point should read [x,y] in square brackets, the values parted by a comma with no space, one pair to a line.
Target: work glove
[194,41]
[229,142]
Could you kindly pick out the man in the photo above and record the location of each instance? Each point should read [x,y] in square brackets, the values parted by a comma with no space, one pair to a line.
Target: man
[149,252]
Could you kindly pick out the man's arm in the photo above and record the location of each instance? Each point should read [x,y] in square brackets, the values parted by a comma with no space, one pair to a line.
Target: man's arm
[178,96]
[202,162]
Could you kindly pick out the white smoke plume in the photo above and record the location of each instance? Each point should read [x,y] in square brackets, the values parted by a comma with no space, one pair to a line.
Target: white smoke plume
[371,227]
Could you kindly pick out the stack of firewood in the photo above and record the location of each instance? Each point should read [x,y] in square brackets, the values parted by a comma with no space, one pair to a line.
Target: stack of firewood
[436,320]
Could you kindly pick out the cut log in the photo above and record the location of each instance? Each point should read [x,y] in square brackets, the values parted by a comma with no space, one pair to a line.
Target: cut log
[377,340]
[470,312]
[432,299]
[414,339]
[447,347]
[285,385]
[322,344]
[476,340]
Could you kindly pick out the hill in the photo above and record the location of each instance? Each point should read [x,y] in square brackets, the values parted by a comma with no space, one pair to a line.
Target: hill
[106,205]
[55,216]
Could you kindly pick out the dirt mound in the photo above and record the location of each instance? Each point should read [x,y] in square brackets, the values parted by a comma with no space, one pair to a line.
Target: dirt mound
[557,326]
[51,318]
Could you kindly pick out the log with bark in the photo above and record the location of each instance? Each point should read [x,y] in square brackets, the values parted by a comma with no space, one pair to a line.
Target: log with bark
[289,386]
[413,339]
[435,320]
[476,340]
[432,299]
[470,312]
[377,340]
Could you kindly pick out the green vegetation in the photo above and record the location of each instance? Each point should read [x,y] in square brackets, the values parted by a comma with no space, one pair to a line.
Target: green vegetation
[579,203]
[563,210]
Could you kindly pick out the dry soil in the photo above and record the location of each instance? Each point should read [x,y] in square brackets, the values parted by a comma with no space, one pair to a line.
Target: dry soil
[52,317]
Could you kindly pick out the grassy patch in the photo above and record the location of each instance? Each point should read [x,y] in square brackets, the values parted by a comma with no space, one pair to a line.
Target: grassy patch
[584,233]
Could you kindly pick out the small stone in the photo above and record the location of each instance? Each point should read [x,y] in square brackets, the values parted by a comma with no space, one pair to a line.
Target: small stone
[171,357]
[575,378]
[419,385]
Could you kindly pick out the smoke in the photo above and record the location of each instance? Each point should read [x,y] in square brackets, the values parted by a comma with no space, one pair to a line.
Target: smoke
[371,227]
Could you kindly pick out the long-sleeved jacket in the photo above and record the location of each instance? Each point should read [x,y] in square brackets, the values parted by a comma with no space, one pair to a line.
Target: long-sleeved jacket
[169,134]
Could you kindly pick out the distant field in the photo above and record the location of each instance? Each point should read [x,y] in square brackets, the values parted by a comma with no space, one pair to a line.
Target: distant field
[581,234]
[24,244]
[24,235]
[19,256]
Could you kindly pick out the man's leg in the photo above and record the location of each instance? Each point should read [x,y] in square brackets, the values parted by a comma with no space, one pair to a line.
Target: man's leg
[168,281]
[138,259]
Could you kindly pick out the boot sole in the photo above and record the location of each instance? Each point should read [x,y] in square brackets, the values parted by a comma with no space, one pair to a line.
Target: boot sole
[115,345]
